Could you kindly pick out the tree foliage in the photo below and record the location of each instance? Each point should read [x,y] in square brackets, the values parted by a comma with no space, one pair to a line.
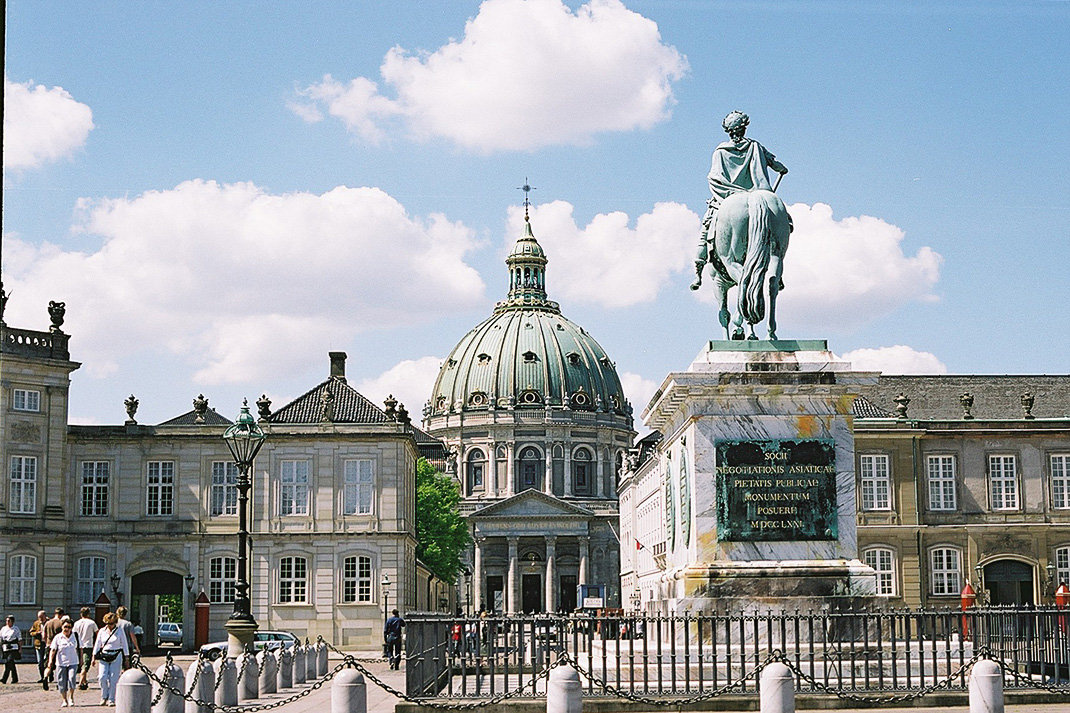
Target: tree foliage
[441,532]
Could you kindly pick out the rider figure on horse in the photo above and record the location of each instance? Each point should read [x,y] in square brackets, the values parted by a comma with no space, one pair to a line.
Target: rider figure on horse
[739,165]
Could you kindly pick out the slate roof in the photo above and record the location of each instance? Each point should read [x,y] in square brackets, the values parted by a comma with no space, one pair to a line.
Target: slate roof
[349,406]
[211,418]
[864,408]
[995,397]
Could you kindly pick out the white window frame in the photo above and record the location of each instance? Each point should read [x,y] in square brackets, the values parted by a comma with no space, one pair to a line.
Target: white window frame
[22,578]
[96,476]
[883,562]
[358,492]
[222,578]
[1060,480]
[945,571]
[1062,566]
[942,470]
[1003,481]
[223,495]
[26,400]
[23,492]
[357,579]
[293,580]
[90,574]
[875,470]
[293,487]
[160,488]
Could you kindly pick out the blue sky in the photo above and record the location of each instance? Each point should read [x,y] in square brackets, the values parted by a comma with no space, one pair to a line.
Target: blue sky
[223,192]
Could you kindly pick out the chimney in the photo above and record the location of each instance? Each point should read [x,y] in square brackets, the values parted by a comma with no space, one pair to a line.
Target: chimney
[338,365]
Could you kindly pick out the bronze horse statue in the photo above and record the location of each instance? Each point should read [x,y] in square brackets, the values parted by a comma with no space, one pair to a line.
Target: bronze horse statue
[749,238]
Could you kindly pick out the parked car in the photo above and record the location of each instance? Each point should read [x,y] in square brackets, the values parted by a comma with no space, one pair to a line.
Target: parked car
[169,633]
[270,640]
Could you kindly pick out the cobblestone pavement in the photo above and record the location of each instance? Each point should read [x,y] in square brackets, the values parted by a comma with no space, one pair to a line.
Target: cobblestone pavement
[28,697]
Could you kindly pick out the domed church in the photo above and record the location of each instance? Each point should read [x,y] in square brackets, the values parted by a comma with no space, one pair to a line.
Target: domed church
[537,425]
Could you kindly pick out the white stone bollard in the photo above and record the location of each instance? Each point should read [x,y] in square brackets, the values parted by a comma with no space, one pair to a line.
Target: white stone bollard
[321,659]
[310,663]
[170,702]
[349,694]
[986,687]
[777,689]
[269,671]
[299,664]
[285,678]
[133,693]
[564,694]
[226,692]
[249,681]
[201,676]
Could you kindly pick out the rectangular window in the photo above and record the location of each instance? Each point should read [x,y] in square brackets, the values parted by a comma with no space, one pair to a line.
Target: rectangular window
[222,573]
[1060,481]
[883,563]
[25,400]
[1003,478]
[23,580]
[293,582]
[356,579]
[876,482]
[946,571]
[358,487]
[941,482]
[160,493]
[95,488]
[1062,566]
[90,579]
[294,492]
[224,488]
[23,484]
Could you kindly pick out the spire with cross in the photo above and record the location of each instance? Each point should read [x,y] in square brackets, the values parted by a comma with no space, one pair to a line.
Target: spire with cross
[527,188]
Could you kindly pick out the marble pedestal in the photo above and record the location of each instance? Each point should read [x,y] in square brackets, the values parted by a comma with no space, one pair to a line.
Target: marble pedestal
[766,535]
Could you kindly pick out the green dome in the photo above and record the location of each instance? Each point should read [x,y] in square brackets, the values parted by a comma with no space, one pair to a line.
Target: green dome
[527,355]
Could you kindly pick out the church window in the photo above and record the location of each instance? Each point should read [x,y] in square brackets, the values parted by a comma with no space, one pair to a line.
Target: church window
[484,359]
[476,468]
[580,399]
[581,472]
[530,357]
[477,399]
[530,467]
[530,398]
[573,358]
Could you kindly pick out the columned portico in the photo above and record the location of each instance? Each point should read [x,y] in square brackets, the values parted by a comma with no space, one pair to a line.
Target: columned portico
[585,554]
[477,573]
[551,574]
[514,568]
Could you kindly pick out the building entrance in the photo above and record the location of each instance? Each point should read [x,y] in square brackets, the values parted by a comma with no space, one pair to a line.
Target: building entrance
[494,601]
[567,595]
[154,593]
[1009,582]
[531,593]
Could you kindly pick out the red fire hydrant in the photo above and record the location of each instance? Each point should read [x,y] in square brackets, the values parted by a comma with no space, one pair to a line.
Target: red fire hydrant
[969,599]
[1062,601]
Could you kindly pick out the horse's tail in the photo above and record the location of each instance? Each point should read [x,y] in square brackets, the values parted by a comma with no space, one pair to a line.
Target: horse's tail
[756,263]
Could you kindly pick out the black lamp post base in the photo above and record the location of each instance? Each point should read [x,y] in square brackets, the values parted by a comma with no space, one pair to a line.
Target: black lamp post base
[240,632]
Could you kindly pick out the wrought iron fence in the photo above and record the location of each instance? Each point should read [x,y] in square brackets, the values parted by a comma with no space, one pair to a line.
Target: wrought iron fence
[685,656]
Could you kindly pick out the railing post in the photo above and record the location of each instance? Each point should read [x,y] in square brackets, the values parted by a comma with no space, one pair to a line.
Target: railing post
[202,680]
[321,659]
[349,694]
[226,692]
[986,687]
[285,678]
[299,664]
[133,693]
[170,702]
[310,662]
[564,694]
[777,689]
[249,685]
[269,671]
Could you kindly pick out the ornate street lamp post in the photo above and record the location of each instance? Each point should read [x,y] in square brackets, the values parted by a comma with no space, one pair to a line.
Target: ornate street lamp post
[386,596]
[244,439]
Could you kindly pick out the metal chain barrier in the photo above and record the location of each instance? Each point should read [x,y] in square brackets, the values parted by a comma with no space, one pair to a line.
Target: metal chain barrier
[1028,681]
[168,663]
[349,657]
[196,673]
[244,665]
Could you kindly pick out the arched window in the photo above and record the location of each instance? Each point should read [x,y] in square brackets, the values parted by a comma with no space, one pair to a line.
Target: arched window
[476,464]
[293,580]
[356,579]
[530,469]
[945,571]
[882,560]
[222,573]
[1062,566]
[582,472]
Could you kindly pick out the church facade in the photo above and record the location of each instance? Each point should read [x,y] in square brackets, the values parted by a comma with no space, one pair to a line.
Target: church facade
[537,425]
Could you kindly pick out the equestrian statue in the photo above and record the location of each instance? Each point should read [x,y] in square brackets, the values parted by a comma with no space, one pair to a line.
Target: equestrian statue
[745,230]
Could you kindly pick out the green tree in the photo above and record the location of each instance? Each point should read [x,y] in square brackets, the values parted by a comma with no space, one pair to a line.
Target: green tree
[441,532]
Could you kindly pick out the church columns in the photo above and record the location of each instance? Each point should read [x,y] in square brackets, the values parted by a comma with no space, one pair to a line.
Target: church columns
[513,580]
[585,554]
[477,574]
[492,468]
[548,485]
[568,470]
[551,574]
[599,476]
[510,469]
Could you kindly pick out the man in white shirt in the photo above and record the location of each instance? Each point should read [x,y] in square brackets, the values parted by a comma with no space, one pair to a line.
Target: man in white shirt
[86,629]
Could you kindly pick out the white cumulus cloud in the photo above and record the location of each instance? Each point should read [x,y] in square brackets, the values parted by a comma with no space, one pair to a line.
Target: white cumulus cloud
[409,381]
[243,283]
[607,261]
[526,74]
[41,124]
[898,359]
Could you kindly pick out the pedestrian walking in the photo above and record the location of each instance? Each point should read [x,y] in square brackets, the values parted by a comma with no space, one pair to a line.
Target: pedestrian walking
[37,635]
[108,650]
[126,631]
[86,629]
[10,649]
[392,635]
[63,661]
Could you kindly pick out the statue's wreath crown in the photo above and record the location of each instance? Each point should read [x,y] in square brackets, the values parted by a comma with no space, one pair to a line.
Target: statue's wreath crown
[735,120]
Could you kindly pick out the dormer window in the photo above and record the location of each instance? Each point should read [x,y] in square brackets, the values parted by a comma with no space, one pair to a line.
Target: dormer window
[451,363]
[530,357]
[580,399]
[529,398]
[477,398]
[484,359]
[573,358]
[604,361]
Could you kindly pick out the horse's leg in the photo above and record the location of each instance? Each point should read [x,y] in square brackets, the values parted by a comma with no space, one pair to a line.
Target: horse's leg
[737,323]
[722,300]
[775,283]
